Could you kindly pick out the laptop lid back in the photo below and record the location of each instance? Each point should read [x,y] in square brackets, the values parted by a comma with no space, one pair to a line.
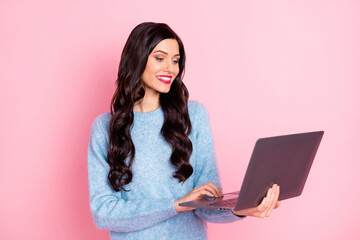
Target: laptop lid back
[283,160]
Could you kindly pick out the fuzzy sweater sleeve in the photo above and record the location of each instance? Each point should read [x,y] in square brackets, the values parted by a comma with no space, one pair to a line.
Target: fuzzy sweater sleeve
[206,167]
[109,209]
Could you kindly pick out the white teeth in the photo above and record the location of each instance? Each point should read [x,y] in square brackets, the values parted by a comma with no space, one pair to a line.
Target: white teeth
[164,78]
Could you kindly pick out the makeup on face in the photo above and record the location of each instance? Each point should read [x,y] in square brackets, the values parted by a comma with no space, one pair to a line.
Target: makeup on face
[162,66]
[164,78]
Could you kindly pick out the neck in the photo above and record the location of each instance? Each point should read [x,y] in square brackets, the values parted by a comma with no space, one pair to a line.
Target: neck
[149,103]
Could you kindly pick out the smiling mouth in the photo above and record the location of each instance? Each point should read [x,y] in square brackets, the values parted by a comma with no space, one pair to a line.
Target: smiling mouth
[164,78]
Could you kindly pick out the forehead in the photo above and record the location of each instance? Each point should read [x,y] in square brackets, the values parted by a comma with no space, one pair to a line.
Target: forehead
[169,46]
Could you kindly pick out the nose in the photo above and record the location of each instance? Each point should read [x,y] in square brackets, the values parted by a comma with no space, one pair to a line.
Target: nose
[169,66]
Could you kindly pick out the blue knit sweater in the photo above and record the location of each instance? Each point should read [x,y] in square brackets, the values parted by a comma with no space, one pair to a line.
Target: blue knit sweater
[147,211]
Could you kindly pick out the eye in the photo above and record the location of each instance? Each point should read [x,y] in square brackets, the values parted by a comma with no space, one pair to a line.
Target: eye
[176,61]
[159,59]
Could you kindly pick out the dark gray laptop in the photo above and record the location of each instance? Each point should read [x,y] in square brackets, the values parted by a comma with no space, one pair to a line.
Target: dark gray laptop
[283,160]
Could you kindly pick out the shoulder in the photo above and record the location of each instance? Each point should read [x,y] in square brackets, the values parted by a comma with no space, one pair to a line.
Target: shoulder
[198,114]
[101,123]
[196,108]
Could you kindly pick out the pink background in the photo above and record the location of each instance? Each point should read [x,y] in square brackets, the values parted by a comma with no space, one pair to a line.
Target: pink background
[261,68]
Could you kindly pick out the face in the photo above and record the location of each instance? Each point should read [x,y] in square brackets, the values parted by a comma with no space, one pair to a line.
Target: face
[162,67]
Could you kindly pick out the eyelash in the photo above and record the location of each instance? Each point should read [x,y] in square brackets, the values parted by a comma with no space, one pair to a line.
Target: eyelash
[160,59]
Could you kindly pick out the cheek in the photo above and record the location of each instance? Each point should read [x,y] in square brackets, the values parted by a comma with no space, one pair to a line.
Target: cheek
[150,70]
[153,66]
[177,71]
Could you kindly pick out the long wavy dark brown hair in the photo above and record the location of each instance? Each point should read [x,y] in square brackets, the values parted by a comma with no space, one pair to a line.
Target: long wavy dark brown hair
[130,89]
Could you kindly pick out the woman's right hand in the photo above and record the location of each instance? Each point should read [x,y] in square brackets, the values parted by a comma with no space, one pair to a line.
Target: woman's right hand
[209,189]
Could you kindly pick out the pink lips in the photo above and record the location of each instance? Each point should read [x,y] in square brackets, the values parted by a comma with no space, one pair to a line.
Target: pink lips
[162,80]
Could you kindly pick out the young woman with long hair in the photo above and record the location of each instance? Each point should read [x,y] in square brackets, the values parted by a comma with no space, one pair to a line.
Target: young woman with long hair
[154,149]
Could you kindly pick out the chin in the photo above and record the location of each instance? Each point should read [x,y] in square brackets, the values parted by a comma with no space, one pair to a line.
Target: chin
[164,90]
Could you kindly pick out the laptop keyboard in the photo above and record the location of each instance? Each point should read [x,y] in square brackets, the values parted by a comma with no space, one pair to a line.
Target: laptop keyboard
[228,203]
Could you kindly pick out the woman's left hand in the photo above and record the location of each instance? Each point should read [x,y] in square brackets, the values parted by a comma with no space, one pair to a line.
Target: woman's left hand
[265,208]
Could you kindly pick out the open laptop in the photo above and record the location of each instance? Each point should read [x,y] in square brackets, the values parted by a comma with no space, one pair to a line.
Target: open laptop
[282,160]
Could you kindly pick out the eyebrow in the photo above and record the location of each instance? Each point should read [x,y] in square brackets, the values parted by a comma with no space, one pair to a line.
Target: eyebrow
[165,52]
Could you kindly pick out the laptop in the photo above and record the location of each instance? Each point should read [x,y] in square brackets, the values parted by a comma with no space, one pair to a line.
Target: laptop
[283,160]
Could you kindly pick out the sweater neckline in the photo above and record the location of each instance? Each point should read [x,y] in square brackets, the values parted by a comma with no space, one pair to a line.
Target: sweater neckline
[148,115]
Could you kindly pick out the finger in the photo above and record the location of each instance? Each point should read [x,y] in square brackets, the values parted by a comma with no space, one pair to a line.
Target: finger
[216,188]
[262,209]
[276,197]
[196,195]
[212,188]
[277,203]
[203,192]
[277,193]
[273,199]
[262,206]
[205,186]
[199,191]
[270,196]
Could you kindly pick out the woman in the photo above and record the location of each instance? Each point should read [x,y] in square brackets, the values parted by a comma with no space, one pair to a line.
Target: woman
[154,149]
